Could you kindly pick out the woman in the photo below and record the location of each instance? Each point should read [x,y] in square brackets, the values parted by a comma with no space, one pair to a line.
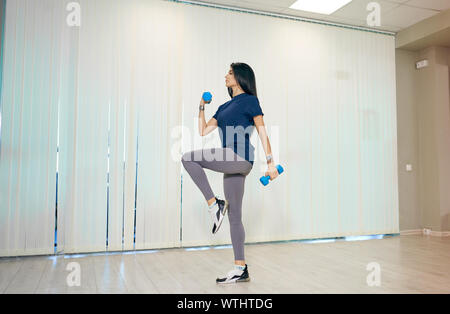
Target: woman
[236,120]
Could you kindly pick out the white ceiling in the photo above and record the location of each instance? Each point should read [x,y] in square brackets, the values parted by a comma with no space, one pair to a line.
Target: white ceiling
[395,14]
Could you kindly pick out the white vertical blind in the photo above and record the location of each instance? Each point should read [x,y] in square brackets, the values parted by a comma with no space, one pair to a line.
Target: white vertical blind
[127,70]
[158,89]
[132,75]
[67,131]
[29,122]
[328,95]
[85,211]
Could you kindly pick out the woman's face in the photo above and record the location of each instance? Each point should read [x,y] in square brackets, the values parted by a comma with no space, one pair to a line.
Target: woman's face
[230,81]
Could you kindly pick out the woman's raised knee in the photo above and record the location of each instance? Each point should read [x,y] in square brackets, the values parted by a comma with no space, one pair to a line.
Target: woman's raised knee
[186,157]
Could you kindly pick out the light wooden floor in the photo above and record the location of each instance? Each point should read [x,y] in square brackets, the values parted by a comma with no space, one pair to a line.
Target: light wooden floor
[409,264]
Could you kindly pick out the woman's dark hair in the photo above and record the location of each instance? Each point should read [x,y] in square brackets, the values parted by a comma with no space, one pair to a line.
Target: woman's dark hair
[245,77]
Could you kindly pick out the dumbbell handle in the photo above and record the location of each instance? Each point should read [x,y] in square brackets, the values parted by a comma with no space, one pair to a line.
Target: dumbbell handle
[265,180]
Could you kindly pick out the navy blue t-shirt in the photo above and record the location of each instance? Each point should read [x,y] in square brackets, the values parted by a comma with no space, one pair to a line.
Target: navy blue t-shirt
[236,125]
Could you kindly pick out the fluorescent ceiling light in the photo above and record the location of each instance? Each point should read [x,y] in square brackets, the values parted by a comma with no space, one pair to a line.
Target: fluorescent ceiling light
[320,6]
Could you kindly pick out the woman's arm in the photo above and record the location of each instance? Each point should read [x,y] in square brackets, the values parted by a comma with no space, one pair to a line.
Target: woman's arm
[261,128]
[203,127]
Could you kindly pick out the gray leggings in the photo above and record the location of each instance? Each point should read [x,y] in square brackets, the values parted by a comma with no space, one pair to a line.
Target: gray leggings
[235,169]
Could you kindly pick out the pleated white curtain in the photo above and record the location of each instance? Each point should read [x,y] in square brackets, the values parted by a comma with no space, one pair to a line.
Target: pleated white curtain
[328,95]
[123,186]
[119,96]
[29,103]
[107,94]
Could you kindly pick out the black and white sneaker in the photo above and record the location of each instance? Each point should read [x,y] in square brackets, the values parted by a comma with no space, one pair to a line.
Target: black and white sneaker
[235,276]
[217,213]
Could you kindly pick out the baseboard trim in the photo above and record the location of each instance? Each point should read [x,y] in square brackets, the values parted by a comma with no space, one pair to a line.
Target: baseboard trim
[438,233]
[426,232]
[412,232]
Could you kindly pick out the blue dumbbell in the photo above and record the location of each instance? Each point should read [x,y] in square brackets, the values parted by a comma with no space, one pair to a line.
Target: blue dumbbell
[207,97]
[265,180]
